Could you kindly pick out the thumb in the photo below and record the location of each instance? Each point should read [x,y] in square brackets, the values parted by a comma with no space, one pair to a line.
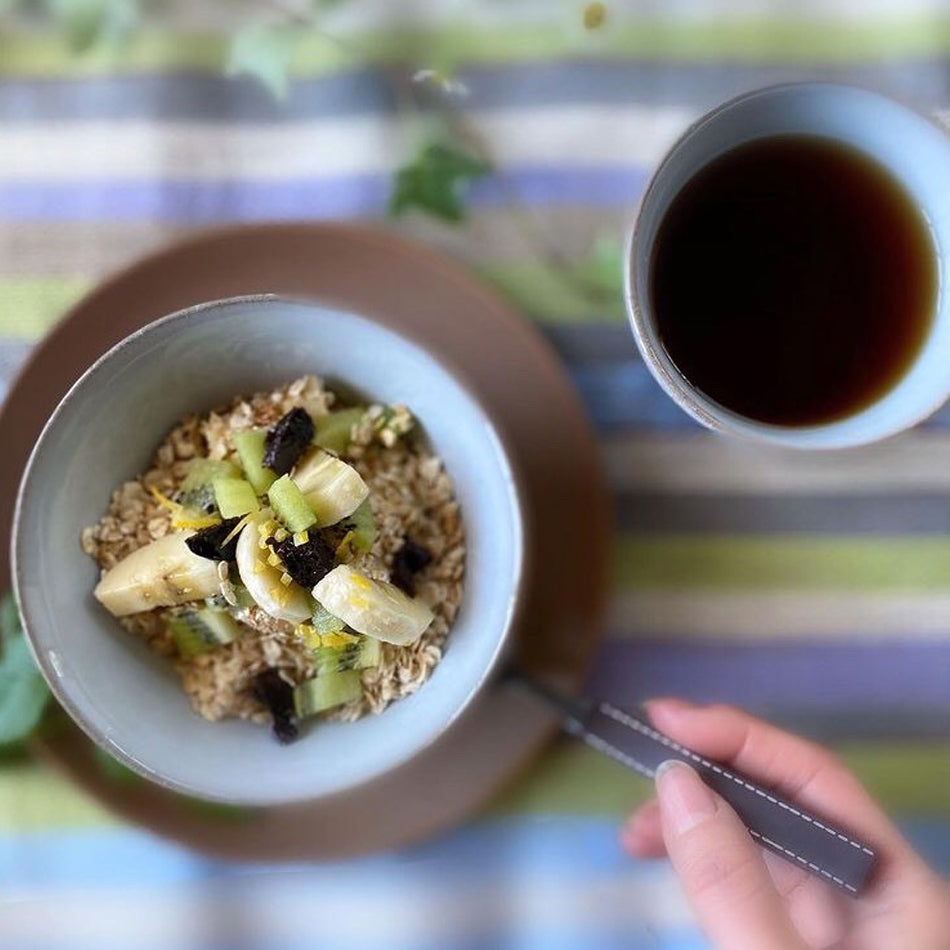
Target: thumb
[720,867]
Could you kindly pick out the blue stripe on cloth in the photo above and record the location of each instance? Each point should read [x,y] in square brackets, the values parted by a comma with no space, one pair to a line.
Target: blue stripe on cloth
[486,871]
[349,196]
[525,937]
[12,355]
[623,395]
[113,866]
[776,679]
[537,846]
[199,97]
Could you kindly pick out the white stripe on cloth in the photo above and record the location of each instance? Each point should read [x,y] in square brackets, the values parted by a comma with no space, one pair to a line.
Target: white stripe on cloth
[759,616]
[412,910]
[916,461]
[583,136]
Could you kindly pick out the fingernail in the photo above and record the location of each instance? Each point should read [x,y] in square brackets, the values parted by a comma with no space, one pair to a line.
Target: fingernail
[685,800]
[667,705]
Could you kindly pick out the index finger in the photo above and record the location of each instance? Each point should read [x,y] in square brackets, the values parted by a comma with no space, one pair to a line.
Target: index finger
[794,767]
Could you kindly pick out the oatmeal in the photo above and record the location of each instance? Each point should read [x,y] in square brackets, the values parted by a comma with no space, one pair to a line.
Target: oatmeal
[289,557]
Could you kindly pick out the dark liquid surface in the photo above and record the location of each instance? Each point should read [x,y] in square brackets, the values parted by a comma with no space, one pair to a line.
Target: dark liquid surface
[793,280]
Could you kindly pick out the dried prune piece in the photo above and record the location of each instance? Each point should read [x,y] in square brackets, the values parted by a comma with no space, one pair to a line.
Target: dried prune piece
[286,440]
[215,543]
[272,691]
[409,560]
[306,563]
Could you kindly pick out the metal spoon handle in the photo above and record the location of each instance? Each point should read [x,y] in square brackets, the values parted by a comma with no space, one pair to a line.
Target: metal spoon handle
[815,845]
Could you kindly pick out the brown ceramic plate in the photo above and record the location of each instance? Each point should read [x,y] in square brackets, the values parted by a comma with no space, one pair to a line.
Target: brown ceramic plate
[413,290]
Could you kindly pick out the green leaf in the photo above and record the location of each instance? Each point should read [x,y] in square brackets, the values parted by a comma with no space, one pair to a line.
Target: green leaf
[266,52]
[601,272]
[436,182]
[89,23]
[23,693]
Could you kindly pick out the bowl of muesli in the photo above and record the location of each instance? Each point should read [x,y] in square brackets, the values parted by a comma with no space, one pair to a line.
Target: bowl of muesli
[266,551]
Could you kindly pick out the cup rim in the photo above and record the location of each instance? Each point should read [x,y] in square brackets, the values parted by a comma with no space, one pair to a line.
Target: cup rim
[690,398]
[514,601]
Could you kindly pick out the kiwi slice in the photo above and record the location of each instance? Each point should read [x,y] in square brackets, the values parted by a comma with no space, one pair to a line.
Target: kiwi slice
[364,527]
[196,493]
[326,691]
[249,445]
[202,630]
[334,430]
[290,506]
[354,656]
[203,472]
[235,497]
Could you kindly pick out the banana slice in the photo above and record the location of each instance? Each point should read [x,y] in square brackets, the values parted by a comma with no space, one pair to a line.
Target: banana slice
[332,488]
[263,580]
[161,574]
[375,608]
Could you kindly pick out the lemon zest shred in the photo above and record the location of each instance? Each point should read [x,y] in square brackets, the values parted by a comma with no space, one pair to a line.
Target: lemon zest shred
[344,550]
[172,506]
[238,527]
[195,523]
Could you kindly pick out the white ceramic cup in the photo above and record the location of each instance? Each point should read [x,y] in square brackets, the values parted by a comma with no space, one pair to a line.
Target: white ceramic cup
[909,145]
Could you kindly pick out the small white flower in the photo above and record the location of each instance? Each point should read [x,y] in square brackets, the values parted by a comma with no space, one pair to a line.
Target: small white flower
[433,77]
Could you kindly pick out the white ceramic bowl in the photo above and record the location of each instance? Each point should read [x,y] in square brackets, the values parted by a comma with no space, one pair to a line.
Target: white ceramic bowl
[105,431]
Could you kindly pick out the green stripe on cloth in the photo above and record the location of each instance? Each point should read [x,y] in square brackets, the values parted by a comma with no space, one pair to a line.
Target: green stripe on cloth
[908,778]
[744,39]
[34,799]
[29,306]
[784,562]
[550,296]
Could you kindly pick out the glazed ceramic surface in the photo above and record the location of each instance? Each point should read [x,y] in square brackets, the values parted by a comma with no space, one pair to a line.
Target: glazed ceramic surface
[105,431]
[906,143]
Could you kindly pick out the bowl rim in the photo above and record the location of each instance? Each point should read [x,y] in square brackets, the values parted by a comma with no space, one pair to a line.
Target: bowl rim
[514,483]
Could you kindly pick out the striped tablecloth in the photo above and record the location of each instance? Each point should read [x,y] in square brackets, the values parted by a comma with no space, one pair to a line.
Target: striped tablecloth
[813,589]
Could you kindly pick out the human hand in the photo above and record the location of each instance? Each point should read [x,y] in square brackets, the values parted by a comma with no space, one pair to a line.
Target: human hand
[747,899]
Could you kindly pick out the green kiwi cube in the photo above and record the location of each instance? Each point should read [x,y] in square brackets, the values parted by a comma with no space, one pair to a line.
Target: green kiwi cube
[326,691]
[371,653]
[202,471]
[333,431]
[202,630]
[235,497]
[336,659]
[219,625]
[290,506]
[188,638]
[249,445]
[361,655]
[364,527]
